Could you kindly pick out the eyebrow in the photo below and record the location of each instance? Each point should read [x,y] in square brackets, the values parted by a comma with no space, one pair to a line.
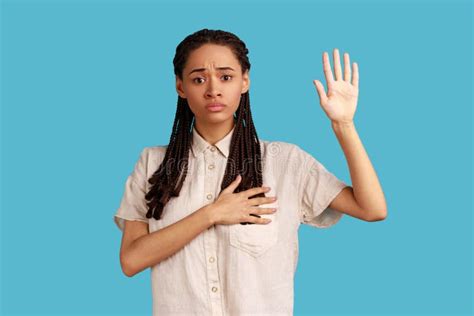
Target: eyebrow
[204,69]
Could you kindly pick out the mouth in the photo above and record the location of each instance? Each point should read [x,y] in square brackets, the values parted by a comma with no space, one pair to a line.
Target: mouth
[215,107]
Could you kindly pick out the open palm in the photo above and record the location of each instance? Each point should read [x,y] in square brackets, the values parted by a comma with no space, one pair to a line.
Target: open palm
[340,102]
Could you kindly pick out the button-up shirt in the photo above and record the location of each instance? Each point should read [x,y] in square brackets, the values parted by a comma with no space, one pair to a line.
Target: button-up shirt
[233,269]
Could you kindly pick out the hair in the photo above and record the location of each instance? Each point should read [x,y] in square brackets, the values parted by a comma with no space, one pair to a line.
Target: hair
[167,180]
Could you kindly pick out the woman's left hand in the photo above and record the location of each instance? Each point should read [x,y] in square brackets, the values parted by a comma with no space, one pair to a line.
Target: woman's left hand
[340,102]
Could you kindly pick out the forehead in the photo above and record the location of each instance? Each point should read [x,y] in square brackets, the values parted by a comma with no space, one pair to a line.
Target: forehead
[210,56]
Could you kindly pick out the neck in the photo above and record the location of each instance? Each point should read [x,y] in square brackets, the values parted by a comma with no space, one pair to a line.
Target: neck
[213,133]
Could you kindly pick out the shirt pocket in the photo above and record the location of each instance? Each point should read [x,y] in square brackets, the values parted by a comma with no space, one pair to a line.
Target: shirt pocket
[255,239]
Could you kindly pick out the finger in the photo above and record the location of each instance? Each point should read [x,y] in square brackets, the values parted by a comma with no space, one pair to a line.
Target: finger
[254,191]
[337,64]
[327,70]
[347,68]
[355,75]
[256,220]
[233,185]
[262,210]
[321,92]
[261,200]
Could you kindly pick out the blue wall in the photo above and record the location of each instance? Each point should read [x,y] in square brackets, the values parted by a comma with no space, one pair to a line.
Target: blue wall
[87,84]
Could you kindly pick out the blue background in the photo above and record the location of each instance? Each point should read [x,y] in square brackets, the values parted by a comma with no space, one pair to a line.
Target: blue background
[87,84]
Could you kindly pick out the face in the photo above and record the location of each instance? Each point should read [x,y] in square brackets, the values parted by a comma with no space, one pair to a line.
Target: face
[205,83]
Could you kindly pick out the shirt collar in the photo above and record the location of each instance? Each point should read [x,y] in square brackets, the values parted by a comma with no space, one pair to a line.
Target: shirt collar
[199,144]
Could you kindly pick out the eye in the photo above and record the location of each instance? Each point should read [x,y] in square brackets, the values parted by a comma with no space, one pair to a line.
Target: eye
[198,78]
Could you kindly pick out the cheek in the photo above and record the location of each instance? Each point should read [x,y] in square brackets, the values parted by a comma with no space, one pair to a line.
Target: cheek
[236,99]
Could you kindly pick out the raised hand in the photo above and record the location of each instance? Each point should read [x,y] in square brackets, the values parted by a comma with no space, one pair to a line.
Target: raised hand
[340,102]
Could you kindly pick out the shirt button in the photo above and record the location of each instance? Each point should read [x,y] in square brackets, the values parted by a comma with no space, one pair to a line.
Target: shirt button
[213,149]
[211,259]
[214,289]
[209,196]
[211,167]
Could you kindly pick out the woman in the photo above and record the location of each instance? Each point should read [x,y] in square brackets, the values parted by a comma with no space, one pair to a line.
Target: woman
[215,213]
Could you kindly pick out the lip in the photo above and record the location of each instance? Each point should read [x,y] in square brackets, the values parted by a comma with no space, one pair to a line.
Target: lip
[215,107]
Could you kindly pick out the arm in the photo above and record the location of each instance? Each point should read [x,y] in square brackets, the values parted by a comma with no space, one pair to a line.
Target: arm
[141,250]
[366,199]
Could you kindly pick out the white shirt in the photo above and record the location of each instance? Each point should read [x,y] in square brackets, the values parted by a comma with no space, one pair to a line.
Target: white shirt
[233,269]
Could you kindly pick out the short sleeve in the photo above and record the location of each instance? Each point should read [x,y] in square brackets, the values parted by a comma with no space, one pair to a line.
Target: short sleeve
[318,189]
[133,205]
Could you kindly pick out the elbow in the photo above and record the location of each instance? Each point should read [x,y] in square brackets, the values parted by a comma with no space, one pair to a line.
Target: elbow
[128,272]
[131,266]
[377,216]
[127,268]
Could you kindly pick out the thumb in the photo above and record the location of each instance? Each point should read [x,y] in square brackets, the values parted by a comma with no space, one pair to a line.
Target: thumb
[321,92]
[234,184]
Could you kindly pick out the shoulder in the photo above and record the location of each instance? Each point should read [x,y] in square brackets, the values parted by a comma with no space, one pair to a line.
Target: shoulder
[155,151]
[153,155]
[282,150]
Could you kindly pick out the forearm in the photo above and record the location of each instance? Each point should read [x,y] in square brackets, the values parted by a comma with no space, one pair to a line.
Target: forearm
[151,249]
[367,190]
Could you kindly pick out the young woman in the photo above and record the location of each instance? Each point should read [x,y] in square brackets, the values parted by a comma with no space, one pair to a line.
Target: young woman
[215,213]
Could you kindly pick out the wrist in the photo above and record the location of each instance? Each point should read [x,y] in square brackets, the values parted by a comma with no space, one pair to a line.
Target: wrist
[209,214]
[342,124]
[342,128]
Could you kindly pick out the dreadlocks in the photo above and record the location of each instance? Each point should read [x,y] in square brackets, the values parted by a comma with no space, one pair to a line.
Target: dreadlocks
[168,179]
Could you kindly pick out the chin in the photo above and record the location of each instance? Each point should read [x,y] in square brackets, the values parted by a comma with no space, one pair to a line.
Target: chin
[217,117]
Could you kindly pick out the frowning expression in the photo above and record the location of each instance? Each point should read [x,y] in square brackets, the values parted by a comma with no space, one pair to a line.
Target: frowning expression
[212,75]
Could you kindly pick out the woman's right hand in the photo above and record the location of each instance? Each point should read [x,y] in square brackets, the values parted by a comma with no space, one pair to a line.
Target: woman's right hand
[233,208]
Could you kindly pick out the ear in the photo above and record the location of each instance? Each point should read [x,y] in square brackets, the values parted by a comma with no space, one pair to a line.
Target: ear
[246,82]
[179,87]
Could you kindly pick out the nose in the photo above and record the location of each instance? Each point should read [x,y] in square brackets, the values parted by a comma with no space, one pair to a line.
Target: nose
[212,88]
